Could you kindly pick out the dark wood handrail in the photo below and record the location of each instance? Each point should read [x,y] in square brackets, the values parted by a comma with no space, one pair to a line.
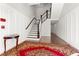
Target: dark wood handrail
[46,15]
[30,22]
[50,12]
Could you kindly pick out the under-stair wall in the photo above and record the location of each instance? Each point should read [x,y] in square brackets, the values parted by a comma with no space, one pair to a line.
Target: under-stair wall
[46,31]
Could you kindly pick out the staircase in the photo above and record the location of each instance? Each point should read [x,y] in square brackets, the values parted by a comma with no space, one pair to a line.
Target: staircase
[33,33]
[35,30]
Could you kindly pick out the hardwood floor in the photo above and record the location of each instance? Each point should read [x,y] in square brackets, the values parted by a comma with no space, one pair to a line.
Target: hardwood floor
[56,40]
[67,50]
[56,43]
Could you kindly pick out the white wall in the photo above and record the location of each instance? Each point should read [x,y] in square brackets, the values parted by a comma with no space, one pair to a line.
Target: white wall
[46,28]
[68,27]
[56,10]
[24,8]
[16,22]
[46,31]
[67,7]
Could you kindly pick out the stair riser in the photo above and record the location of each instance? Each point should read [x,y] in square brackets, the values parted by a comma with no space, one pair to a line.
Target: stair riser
[33,33]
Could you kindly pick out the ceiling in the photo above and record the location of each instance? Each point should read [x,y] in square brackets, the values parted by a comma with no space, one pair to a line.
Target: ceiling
[58,9]
[67,7]
[61,9]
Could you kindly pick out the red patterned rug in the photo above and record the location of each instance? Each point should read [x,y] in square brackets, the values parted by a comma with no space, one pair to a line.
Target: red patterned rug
[40,51]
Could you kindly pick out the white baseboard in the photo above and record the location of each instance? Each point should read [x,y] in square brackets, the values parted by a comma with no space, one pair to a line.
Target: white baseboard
[33,39]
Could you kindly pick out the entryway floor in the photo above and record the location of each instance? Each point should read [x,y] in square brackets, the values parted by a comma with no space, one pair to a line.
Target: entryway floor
[66,49]
[56,43]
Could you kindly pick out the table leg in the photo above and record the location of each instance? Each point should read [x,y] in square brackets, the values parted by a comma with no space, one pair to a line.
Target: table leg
[5,47]
[17,45]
